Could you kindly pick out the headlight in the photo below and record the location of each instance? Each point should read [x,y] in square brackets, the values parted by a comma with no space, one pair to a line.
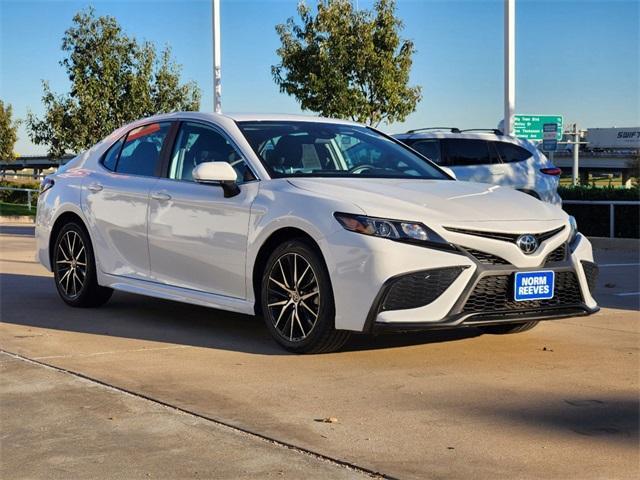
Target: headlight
[399,230]
[573,225]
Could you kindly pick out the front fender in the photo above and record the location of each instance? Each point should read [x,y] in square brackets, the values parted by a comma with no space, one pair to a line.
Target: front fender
[277,208]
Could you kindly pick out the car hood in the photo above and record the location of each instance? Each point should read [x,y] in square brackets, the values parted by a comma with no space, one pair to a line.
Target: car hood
[446,202]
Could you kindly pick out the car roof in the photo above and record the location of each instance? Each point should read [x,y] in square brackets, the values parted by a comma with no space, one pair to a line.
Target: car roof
[439,134]
[246,117]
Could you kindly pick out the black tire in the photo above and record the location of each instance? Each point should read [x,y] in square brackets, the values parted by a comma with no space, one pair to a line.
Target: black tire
[321,336]
[508,328]
[74,268]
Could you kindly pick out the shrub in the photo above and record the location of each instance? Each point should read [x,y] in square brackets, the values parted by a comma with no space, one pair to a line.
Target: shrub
[11,196]
[599,193]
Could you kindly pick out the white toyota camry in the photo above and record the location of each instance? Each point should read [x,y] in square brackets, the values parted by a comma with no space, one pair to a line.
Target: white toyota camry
[323,227]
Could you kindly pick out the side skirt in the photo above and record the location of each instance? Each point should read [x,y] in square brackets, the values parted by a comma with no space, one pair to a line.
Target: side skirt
[176,294]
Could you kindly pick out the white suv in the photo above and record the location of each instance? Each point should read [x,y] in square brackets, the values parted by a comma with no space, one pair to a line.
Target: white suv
[488,156]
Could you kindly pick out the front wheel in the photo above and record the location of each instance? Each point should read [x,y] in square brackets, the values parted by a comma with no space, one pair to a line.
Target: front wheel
[507,328]
[297,300]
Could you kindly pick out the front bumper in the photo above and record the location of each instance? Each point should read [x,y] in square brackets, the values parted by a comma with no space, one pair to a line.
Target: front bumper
[480,294]
[487,298]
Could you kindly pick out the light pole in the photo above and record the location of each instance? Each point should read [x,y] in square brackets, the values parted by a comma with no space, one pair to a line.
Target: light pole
[217,83]
[509,65]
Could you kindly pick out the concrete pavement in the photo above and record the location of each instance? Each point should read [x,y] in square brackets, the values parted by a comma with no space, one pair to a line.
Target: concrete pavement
[560,401]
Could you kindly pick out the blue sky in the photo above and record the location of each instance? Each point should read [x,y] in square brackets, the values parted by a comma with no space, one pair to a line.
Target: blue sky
[576,58]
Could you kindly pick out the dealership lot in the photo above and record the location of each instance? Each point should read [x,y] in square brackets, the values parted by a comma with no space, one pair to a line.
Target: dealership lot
[560,401]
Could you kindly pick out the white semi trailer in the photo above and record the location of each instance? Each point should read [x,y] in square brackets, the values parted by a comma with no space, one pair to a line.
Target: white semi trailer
[627,138]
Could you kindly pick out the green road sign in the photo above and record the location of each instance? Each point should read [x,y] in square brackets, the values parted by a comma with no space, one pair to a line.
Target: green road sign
[531,127]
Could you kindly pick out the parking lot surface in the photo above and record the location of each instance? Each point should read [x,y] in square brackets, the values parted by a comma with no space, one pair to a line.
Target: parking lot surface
[560,401]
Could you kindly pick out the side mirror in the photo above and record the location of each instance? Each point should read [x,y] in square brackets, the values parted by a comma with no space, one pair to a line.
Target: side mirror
[449,172]
[218,173]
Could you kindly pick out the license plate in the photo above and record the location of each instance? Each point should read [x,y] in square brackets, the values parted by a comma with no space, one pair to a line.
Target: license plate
[533,286]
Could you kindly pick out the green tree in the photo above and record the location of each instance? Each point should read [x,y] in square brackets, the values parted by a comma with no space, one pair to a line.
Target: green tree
[347,63]
[114,80]
[8,133]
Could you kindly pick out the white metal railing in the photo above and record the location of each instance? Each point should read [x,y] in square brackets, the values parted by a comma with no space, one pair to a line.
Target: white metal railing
[34,176]
[612,212]
[29,191]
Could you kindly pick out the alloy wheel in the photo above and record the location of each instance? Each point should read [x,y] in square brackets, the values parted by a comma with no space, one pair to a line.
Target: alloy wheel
[71,264]
[293,296]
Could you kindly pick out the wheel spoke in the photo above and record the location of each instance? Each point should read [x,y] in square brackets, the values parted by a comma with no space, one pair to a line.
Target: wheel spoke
[284,287]
[281,314]
[315,315]
[275,304]
[302,276]
[76,277]
[66,288]
[284,277]
[291,321]
[68,272]
[61,250]
[309,295]
[70,248]
[304,334]
[295,271]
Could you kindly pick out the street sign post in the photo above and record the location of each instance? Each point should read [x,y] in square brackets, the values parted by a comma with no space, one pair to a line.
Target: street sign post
[531,127]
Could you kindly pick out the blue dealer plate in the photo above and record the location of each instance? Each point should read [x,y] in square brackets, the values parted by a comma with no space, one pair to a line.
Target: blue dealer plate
[533,286]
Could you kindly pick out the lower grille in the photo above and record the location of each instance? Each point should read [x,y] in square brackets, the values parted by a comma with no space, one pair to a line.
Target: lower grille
[419,289]
[557,255]
[591,271]
[495,293]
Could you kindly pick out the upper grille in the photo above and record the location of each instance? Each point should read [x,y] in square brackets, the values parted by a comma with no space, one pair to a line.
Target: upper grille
[419,289]
[591,271]
[494,293]
[487,258]
[506,237]
[557,255]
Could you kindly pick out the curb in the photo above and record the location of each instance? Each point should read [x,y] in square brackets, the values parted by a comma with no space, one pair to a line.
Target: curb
[607,243]
[26,219]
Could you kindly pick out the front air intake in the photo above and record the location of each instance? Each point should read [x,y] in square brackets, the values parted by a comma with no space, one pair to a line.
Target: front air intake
[418,289]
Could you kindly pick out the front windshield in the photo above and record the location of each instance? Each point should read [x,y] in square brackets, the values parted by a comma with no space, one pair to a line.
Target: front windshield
[321,149]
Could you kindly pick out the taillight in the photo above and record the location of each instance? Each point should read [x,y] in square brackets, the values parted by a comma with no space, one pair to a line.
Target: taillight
[551,171]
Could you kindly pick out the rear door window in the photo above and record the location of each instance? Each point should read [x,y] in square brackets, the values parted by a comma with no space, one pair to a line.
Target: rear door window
[512,153]
[463,152]
[429,148]
[140,153]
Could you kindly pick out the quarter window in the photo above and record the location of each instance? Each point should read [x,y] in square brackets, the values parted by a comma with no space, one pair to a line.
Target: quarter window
[141,151]
[512,153]
[198,143]
[428,148]
[111,157]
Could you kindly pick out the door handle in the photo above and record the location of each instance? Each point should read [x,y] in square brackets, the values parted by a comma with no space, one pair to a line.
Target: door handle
[163,197]
[95,187]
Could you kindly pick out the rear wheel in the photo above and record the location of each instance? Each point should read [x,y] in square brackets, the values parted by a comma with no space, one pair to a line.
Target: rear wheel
[74,269]
[297,300]
[508,328]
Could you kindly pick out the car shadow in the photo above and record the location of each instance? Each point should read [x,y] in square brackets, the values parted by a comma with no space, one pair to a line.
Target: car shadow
[33,301]
[611,418]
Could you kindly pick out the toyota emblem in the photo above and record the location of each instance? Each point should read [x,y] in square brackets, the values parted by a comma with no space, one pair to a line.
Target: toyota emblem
[527,243]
